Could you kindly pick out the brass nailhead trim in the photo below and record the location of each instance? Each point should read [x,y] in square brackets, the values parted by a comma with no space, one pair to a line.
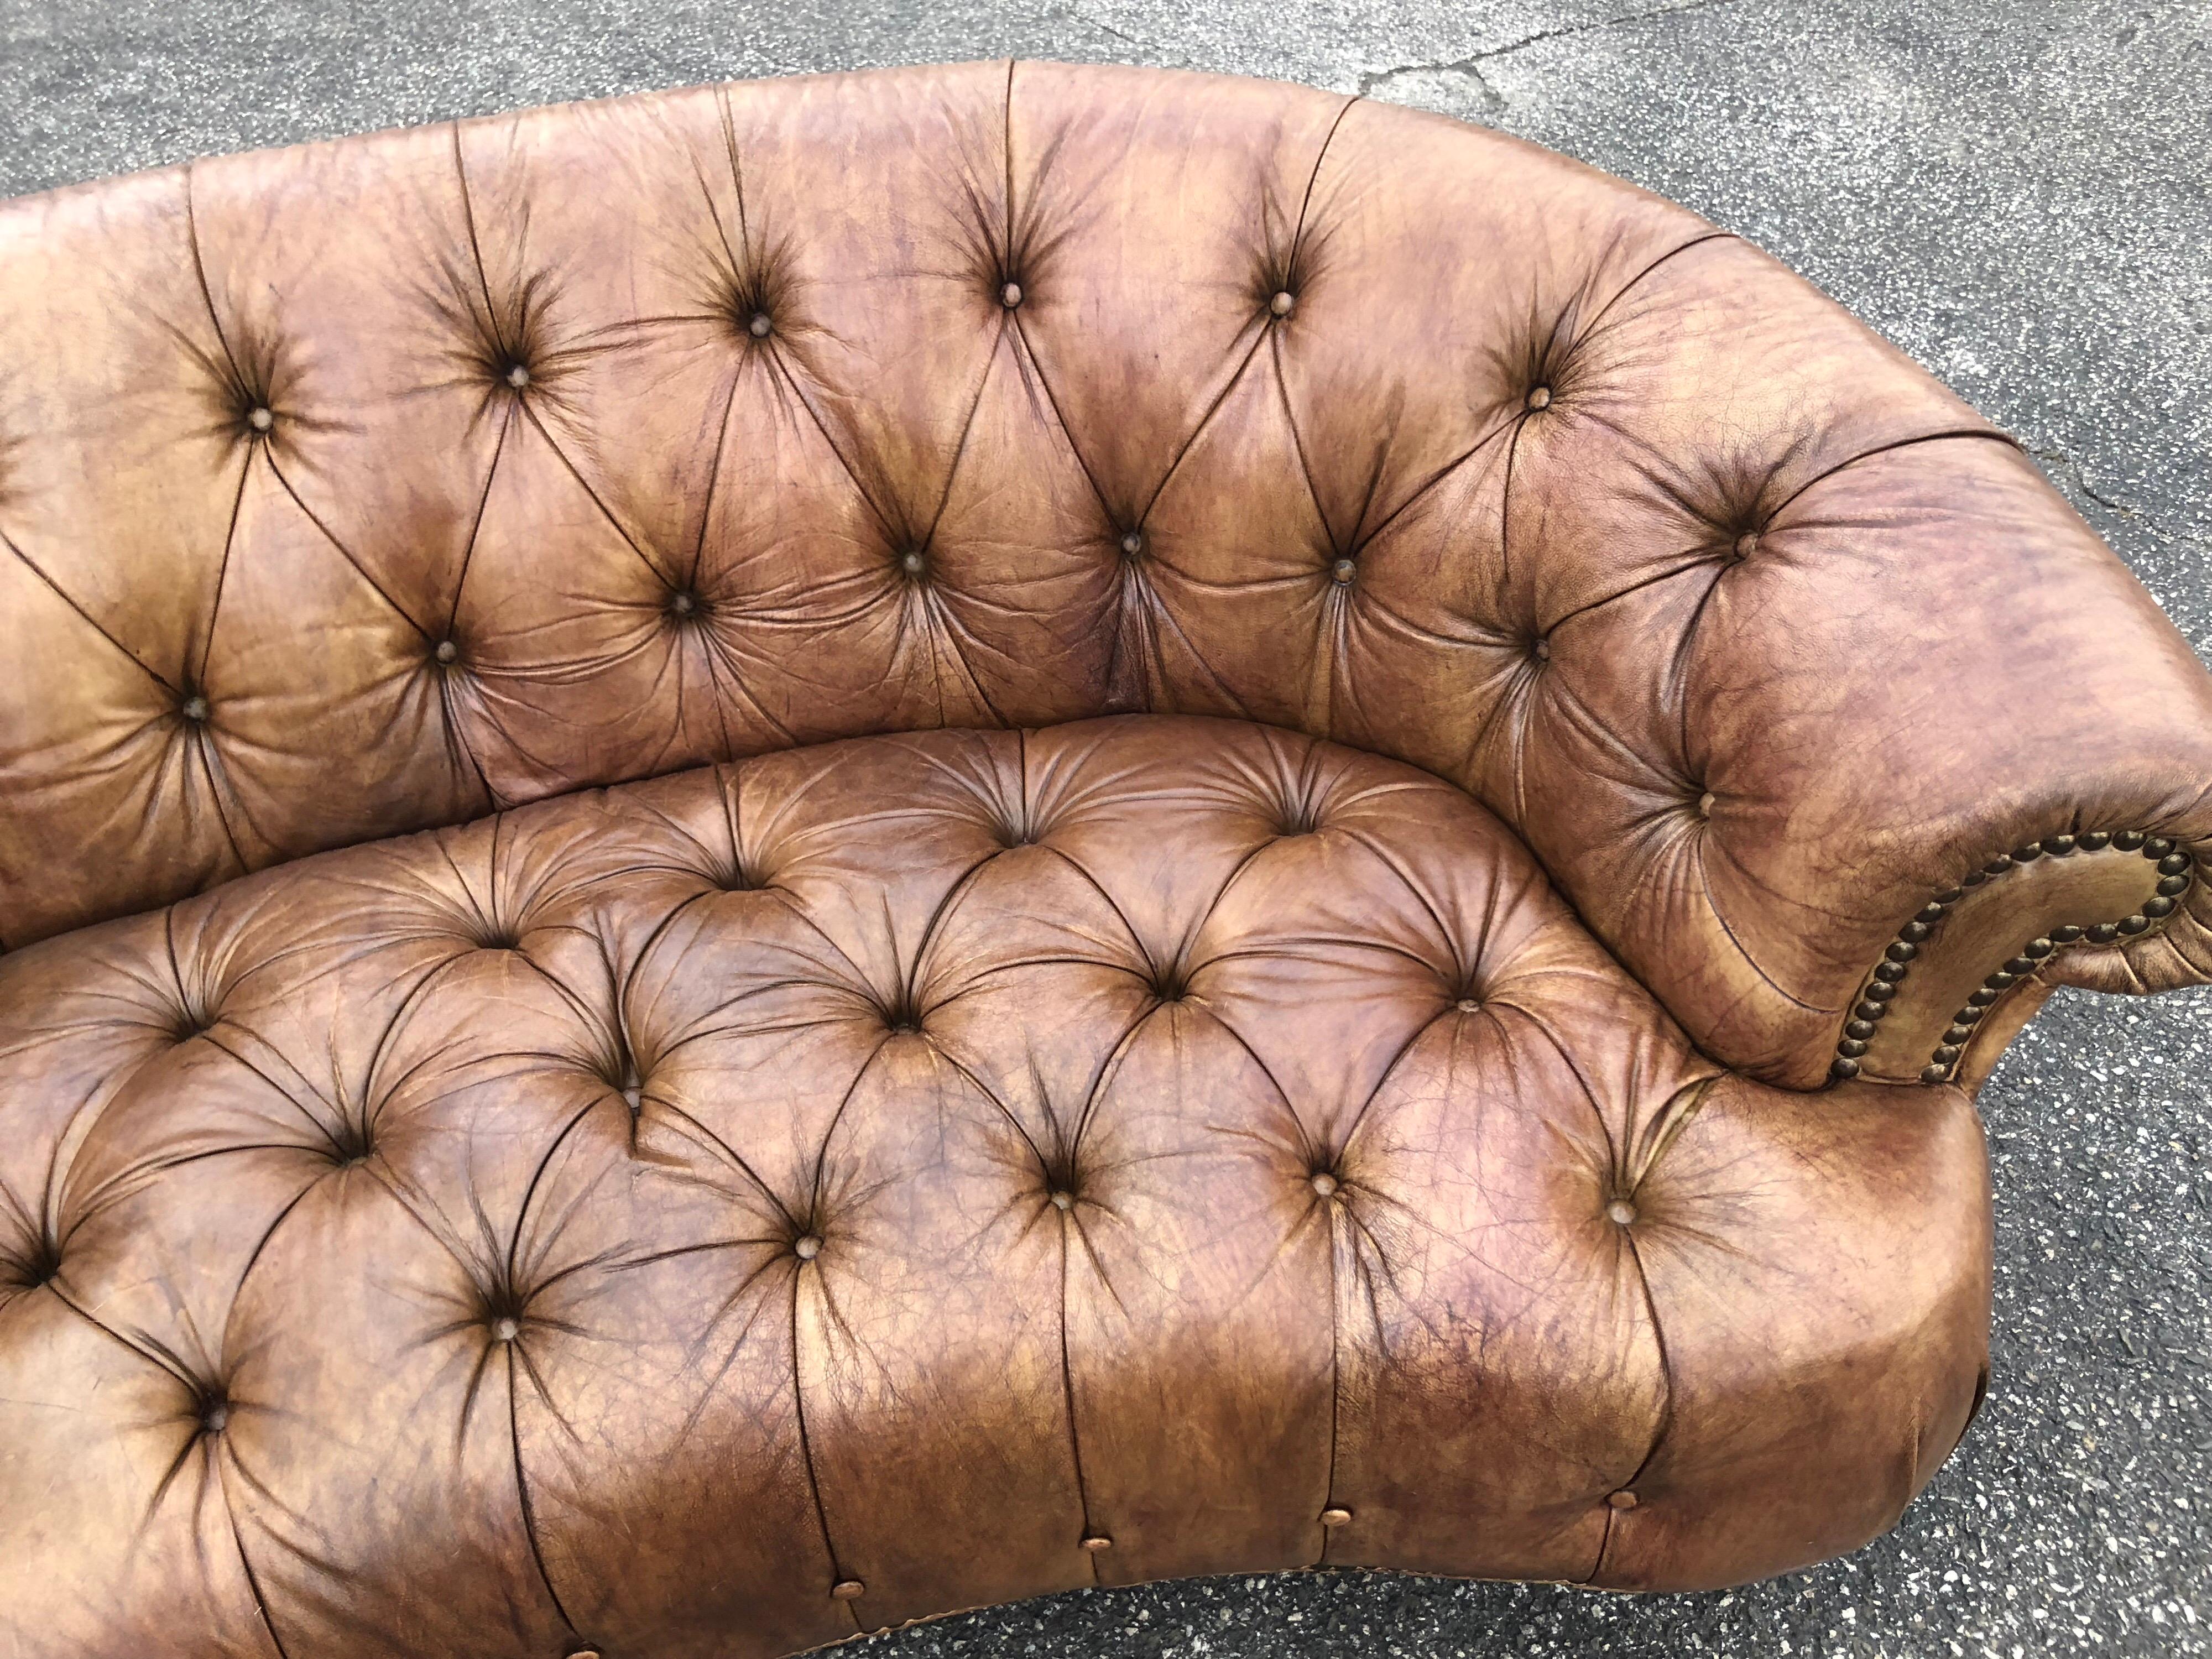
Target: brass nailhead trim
[2175,871]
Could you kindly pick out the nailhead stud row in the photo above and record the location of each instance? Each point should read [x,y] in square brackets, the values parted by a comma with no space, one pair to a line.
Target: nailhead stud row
[1890,972]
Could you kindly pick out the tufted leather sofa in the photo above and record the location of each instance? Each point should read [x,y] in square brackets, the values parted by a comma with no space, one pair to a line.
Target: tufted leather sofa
[785,856]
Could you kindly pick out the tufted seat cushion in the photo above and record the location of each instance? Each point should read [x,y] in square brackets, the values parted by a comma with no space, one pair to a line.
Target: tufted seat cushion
[951,1167]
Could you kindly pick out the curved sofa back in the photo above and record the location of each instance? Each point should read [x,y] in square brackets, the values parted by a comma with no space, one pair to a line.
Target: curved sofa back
[370,486]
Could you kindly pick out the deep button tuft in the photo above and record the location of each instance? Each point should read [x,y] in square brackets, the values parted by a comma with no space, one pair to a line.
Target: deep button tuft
[1011,295]
[848,1589]
[1539,397]
[682,605]
[260,417]
[912,561]
[1541,649]
[583,1653]
[195,709]
[1746,544]
[1620,1213]
[215,1414]
[518,375]
[446,653]
[506,1328]
[1621,1500]
[1097,1543]
[42,1266]
[1062,1200]
[350,1144]
[1324,1183]
[759,326]
[1706,804]
[1468,1004]
[1283,302]
[1344,570]
[806,1246]
[1336,1515]
[1133,542]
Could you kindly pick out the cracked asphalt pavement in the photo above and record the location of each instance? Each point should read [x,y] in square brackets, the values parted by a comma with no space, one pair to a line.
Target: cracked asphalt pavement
[2019,192]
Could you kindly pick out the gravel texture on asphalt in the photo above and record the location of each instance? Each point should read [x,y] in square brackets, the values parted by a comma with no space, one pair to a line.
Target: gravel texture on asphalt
[2019,192]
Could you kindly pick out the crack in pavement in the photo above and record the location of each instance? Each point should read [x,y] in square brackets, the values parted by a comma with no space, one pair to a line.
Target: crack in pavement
[2064,459]
[1471,64]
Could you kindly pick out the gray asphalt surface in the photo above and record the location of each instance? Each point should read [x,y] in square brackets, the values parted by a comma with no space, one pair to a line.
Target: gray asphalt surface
[2019,192]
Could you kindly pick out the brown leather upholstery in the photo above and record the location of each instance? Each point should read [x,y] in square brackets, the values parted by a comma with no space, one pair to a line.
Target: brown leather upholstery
[823,1184]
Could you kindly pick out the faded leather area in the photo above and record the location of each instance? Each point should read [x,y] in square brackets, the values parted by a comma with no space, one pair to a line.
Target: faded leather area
[718,1213]
[365,487]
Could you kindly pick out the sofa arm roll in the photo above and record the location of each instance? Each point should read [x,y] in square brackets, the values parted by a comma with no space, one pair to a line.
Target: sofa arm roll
[1949,746]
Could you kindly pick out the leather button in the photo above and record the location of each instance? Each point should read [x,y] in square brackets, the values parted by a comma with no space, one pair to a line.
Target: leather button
[1541,650]
[194,708]
[1468,1005]
[505,1328]
[518,376]
[447,653]
[911,561]
[1746,544]
[848,1589]
[807,1247]
[1281,304]
[1540,398]
[1344,570]
[1706,804]
[1011,295]
[1622,1500]
[1063,1200]
[759,326]
[259,418]
[1335,1516]
[1620,1213]
[1325,1184]
[1133,542]
[1097,1542]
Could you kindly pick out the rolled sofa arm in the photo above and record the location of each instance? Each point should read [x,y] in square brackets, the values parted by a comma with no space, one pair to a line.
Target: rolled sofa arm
[1934,749]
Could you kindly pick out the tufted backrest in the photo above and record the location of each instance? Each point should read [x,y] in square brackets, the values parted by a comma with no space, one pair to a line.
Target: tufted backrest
[370,486]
